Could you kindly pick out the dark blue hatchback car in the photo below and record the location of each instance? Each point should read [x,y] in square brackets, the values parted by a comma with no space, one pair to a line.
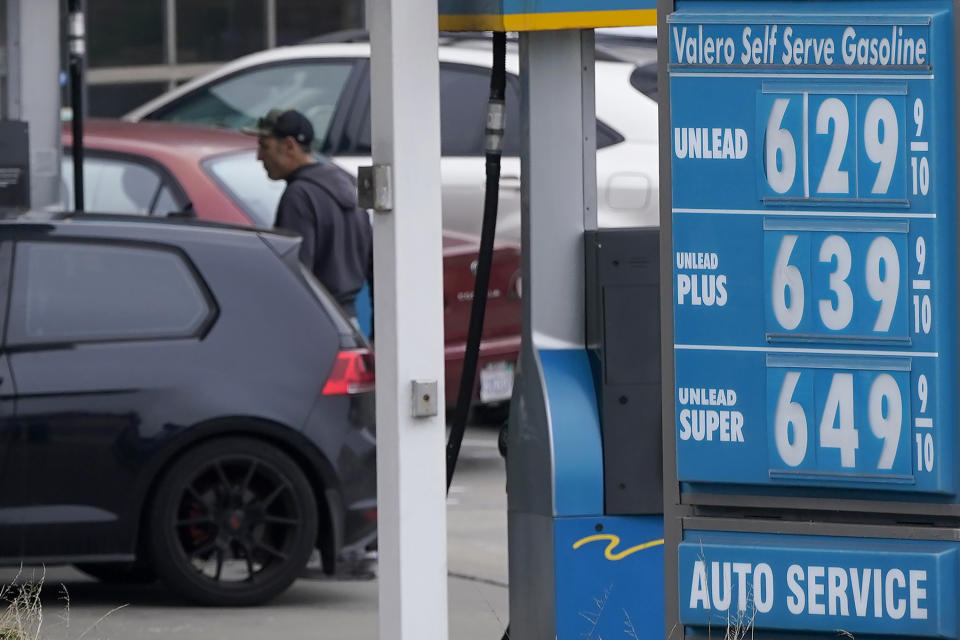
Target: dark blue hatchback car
[181,400]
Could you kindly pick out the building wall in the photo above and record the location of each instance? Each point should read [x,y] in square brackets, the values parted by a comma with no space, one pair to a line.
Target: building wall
[139,49]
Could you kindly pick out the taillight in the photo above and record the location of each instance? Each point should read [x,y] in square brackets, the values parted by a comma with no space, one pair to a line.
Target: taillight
[352,373]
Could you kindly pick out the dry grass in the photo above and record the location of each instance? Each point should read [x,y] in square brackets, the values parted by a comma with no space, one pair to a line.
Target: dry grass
[23,617]
[740,625]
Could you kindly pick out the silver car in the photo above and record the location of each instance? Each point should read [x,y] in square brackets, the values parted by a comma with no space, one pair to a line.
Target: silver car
[330,83]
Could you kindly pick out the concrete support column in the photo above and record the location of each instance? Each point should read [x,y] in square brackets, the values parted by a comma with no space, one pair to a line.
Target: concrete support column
[560,181]
[408,320]
[33,90]
[558,167]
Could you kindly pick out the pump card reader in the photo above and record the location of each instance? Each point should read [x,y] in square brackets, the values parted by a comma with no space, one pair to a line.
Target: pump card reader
[815,252]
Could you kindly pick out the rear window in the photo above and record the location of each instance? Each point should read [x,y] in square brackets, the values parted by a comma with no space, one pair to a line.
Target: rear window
[245,181]
[84,291]
[464,92]
[120,184]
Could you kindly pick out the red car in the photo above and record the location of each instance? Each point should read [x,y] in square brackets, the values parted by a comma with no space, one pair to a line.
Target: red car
[161,169]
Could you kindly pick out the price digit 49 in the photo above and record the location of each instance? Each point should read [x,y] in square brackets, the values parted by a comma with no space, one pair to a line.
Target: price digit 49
[837,428]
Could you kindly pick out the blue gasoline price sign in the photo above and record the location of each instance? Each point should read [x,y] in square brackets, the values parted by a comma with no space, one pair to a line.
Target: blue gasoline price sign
[815,245]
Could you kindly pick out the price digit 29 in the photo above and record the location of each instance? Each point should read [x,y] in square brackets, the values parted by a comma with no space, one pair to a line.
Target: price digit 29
[881,143]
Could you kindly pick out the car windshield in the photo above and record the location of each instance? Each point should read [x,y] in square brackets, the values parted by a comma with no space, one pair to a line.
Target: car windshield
[245,181]
[237,101]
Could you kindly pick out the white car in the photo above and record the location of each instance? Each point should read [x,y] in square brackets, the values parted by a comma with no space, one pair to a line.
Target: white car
[330,83]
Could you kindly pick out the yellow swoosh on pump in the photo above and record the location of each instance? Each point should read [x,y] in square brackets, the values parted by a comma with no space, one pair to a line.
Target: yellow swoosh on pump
[614,541]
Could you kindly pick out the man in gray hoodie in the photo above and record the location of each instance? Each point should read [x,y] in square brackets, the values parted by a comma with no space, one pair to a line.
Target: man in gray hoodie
[319,203]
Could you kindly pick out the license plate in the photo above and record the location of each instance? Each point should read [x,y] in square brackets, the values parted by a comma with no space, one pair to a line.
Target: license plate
[496,382]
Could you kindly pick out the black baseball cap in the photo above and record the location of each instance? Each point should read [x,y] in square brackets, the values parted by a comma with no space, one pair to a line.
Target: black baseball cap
[281,123]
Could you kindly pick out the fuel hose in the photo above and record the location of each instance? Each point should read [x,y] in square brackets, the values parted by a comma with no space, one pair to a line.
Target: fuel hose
[493,150]
[493,143]
[76,36]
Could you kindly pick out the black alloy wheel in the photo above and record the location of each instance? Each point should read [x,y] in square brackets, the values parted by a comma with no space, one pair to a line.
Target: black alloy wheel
[233,523]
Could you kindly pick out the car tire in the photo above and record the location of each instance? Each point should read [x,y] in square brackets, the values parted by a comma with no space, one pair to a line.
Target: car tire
[502,439]
[492,414]
[119,572]
[233,523]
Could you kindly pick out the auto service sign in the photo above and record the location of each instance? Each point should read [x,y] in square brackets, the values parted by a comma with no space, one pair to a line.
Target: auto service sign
[813,584]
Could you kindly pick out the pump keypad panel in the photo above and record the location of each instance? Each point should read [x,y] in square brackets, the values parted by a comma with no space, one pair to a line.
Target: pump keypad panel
[815,247]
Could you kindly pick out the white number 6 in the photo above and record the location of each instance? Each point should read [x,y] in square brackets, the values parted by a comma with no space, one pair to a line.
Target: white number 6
[780,140]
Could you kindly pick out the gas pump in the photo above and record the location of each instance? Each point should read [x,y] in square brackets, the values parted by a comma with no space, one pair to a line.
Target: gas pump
[31,97]
[583,472]
[809,213]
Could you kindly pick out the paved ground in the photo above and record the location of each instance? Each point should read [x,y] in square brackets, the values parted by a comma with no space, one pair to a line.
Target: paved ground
[318,610]
[310,609]
[477,511]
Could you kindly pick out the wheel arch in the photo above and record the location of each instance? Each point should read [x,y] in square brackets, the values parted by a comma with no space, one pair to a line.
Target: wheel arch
[311,461]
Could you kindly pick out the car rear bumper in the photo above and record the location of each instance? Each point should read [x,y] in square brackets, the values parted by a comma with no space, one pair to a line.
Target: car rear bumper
[505,349]
[360,529]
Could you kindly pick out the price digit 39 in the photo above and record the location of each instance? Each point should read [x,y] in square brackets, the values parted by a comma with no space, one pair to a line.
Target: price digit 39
[882,278]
